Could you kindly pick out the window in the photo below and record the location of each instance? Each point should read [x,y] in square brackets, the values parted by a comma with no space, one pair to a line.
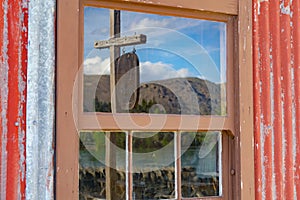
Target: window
[181,64]
[164,127]
[150,165]
[180,70]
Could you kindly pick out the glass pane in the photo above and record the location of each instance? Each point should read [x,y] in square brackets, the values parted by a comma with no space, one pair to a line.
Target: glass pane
[179,69]
[153,165]
[93,162]
[200,164]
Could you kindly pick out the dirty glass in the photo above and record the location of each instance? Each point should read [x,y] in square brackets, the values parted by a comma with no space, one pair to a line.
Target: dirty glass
[200,164]
[93,161]
[153,165]
[179,69]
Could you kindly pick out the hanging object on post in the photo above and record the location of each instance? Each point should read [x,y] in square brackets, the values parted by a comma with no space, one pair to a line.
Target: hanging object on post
[127,81]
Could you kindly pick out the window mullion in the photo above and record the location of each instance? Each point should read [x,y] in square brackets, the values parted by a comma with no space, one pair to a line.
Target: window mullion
[110,160]
[177,147]
[129,173]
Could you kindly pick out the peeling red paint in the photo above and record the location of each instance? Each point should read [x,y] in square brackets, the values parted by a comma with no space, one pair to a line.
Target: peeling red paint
[1,98]
[285,49]
[277,120]
[16,59]
[265,69]
[276,38]
[295,8]
[257,107]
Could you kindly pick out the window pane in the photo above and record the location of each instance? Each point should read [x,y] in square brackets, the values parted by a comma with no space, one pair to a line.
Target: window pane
[93,161]
[153,165]
[181,67]
[91,166]
[200,164]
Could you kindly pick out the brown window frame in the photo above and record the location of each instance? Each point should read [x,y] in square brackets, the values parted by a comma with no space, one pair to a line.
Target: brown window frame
[238,122]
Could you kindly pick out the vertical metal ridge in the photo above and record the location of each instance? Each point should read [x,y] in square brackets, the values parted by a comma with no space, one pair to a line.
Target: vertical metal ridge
[40,101]
[295,8]
[266,130]
[256,92]
[285,48]
[23,92]
[3,97]
[16,49]
[13,72]
[277,112]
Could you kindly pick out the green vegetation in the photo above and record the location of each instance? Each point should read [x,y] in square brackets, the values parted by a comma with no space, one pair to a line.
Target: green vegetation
[102,106]
[147,144]
[144,107]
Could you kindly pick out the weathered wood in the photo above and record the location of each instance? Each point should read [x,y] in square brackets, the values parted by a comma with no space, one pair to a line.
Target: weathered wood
[111,166]
[115,31]
[114,44]
[111,178]
[127,76]
[123,41]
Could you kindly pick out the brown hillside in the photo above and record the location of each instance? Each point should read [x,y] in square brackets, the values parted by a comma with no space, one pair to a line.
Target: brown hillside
[174,96]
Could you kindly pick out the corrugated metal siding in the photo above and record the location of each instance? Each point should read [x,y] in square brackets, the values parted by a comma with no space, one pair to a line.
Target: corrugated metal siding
[276,57]
[13,60]
[40,101]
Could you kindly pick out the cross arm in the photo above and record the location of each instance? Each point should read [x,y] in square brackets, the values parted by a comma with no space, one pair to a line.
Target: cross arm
[123,41]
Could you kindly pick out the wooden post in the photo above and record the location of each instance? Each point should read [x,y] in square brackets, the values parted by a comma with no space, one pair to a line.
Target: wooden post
[114,44]
[111,166]
[115,32]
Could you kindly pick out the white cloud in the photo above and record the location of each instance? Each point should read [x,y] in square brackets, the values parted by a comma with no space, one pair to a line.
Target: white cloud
[160,71]
[148,71]
[147,22]
[172,23]
[97,32]
[96,65]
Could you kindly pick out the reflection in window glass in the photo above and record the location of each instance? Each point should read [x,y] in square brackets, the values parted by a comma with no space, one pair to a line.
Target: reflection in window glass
[153,165]
[93,161]
[200,164]
[182,65]
[92,180]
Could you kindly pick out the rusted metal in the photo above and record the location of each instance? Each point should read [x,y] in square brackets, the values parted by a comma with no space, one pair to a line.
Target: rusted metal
[276,68]
[13,30]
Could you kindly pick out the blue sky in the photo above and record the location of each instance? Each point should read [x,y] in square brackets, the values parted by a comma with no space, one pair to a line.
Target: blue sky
[176,47]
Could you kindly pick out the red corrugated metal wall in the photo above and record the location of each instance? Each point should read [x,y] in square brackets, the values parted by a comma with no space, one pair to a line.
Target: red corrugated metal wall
[276,57]
[13,66]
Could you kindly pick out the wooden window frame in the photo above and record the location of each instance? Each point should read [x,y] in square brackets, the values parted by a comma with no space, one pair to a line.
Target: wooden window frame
[238,122]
